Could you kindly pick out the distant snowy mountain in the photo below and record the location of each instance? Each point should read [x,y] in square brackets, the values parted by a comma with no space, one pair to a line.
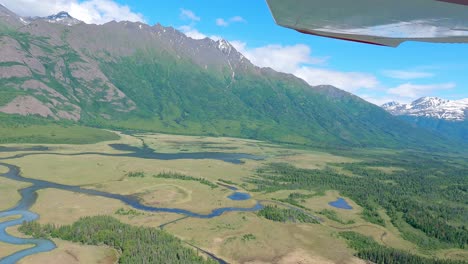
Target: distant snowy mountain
[431,107]
[62,18]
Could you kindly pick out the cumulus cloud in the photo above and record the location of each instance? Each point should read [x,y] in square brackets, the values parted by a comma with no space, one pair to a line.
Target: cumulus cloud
[279,57]
[192,32]
[380,100]
[297,59]
[188,15]
[407,75]
[235,19]
[349,81]
[89,11]
[414,91]
[238,19]
[221,22]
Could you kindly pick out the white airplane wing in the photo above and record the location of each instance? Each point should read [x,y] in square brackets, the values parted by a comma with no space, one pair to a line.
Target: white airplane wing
[380,22]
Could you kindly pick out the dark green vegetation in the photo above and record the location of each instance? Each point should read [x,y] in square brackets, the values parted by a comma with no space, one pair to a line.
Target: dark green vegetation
[248,237]
[277,214]
[136,244]
[196,101]
[297,198]
[15,129]
[426,200]
[227,182]
[368,249]
[121,76]
[131,212]
[178,176]
[136,174]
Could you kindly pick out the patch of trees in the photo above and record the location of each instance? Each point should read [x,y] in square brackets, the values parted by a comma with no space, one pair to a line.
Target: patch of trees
[370,250]
[136,244]
[131,212]
[227,182]
[428,194]
[136,174]
[296,199]
[178,176]
[277,214]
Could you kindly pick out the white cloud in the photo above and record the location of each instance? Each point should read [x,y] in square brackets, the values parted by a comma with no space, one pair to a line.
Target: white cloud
[349,81]
[414,91]
[221,22]
[297,59]
[279,57]
[188,14]
[235,19]
[380,100]
[90,11]
[192,32]
[407,75]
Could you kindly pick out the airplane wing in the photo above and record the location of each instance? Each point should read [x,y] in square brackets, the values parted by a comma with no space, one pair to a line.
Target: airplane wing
[380,22]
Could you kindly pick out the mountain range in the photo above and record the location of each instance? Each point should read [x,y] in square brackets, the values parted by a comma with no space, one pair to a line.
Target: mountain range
[432,107]
[444,117]
[129,75]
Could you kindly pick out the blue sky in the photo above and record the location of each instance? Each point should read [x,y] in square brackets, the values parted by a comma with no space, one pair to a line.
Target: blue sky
[375,73]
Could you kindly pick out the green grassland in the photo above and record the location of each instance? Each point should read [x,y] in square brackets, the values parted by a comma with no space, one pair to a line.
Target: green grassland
[296,182]
[31,130]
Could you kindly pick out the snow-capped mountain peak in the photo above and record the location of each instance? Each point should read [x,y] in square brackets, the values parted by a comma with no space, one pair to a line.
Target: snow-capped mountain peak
[428,102]
[433,107]
[224,46]
[59,16]
[63,18]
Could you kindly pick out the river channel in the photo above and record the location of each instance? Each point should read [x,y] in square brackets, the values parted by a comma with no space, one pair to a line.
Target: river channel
[29,194]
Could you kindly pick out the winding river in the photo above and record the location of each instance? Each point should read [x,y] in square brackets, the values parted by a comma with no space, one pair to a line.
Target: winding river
[29,194]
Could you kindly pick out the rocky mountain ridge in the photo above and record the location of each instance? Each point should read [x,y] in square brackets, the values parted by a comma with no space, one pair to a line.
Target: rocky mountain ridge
[432,107]
[129,75]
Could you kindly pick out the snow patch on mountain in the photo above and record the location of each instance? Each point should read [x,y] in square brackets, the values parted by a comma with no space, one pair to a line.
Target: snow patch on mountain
[453,110]
[224,46]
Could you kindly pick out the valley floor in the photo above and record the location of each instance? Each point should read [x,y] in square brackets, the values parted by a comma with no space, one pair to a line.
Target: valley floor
[199,186]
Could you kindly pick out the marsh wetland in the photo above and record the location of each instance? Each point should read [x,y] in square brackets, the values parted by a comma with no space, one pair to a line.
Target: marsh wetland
[207,194]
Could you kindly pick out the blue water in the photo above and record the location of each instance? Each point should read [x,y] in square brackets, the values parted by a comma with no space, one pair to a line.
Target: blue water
[40,245]
[144,153]
[239,196]
[29,195]
[341,204]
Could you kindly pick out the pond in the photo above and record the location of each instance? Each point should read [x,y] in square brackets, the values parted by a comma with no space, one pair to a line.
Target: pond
[341,204]
[239,196]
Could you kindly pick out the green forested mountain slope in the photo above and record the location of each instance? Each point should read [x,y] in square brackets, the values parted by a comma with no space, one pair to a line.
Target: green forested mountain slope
[133,76]
[450,129]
